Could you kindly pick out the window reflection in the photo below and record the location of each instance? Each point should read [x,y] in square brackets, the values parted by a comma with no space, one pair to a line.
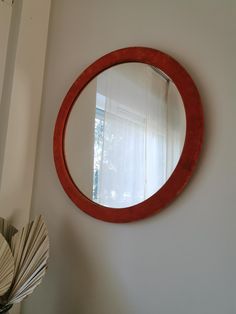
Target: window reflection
[138,137]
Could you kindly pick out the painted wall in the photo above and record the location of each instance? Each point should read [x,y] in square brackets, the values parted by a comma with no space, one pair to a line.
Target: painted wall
[5,19]
[20,106]
[5,23]
[23,35]
[183,260]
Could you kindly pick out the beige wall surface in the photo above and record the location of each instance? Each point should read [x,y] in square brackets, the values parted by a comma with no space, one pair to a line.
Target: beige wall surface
[5,19]
[181,261]
[20,103]
[20,106]
[5,23]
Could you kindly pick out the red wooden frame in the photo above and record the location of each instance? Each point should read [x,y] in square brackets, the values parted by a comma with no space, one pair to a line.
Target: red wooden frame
[191,149]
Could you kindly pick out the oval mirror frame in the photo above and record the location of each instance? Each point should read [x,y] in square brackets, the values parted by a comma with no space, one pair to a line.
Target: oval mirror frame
[192,145]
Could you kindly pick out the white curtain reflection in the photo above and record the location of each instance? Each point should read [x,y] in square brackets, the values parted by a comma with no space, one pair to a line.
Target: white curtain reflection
[139,132]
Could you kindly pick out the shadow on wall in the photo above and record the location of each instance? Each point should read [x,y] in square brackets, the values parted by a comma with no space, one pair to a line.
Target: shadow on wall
[84,282]
[19,154]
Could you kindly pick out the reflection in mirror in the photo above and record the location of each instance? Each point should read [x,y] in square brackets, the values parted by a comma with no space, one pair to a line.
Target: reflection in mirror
[125,135]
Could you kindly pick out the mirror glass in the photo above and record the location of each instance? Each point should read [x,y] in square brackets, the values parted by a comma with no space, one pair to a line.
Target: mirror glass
[125,135]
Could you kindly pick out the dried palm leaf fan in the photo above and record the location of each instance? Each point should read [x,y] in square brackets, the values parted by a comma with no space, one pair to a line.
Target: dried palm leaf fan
[23,260]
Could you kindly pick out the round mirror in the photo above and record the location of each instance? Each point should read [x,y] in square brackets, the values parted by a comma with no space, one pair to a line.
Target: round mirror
[128,134]
[125,134]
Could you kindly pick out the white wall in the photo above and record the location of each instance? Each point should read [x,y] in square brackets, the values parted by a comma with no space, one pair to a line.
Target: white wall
[5,23]
[181,261]
[5,19]
[23,46]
